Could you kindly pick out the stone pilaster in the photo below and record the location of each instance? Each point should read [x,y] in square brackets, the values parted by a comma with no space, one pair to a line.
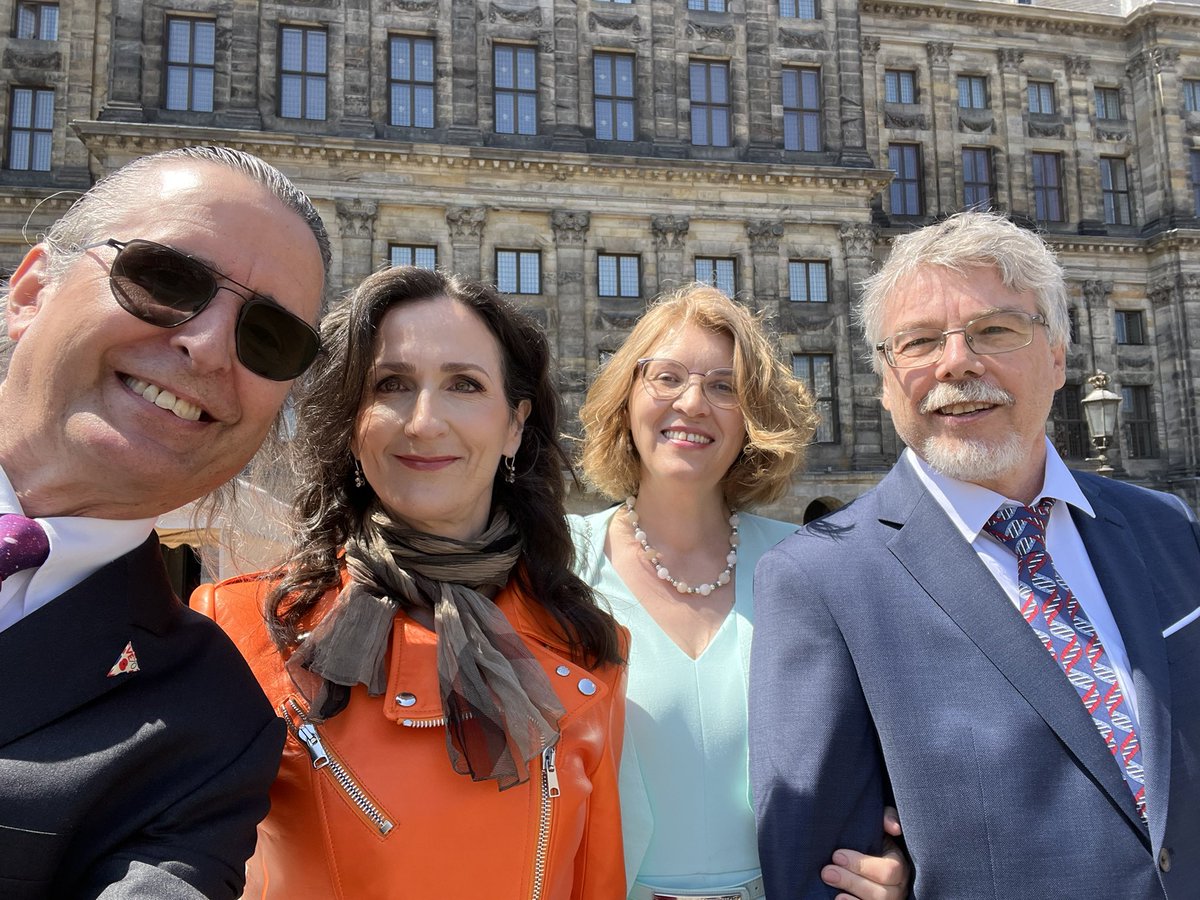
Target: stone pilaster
[356,223]
[851,120]
[1012,98]
[568,135]
[670,239]
[1080,107]
[466,238]
[863,429]
[125,78]
[765,236]
[570,235]
[1160,135]
[943,90]
[465,80]
[871,76]
[244,75]
[356,93]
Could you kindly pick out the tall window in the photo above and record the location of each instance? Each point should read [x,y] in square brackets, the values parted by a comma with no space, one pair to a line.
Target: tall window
[798,9]
[899,86]
[708,84]
[1070,431]
[411,74]
[979,178]
[1195,157]
[515,91]
[37,21]
[720,272]
[30,128]
[801,109]
[707,5]
[191,48]
[519,271]
[905,161]
[808,280]
[1073,324]
[1047,187]
[423,257]
[302,72]
[816,371]
[1130,326]
[972,92]
[613,90]
[1108,103]
[1137,420]
[1191,95]
[1041,96]
[618,275]
[1114,184]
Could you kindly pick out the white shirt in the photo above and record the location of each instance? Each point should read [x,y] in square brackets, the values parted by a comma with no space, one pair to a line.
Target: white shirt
[969,507]
[79,546]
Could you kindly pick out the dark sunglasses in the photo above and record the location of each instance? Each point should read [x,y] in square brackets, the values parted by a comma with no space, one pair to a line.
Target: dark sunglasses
[165,287]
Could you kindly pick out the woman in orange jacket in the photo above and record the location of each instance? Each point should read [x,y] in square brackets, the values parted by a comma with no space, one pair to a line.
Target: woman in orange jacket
[453,693]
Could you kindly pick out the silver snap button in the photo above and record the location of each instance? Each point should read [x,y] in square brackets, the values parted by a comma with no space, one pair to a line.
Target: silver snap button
[587,687]
[406,699]
[562,670]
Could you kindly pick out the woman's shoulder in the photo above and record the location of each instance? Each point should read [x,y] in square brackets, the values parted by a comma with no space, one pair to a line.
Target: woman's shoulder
[769,531]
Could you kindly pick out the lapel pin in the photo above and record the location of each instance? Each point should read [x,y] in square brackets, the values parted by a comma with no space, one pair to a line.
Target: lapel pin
[126,662]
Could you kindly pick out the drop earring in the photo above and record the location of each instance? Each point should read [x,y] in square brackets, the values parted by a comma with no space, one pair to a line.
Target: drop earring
[359,481]
[510,468]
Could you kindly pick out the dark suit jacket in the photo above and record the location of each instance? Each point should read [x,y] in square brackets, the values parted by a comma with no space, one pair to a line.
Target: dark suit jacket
[148,784]
[888,661]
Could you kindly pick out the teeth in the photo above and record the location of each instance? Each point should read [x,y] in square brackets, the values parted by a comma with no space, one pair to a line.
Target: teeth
[687,436]
[163,399]
[961,409]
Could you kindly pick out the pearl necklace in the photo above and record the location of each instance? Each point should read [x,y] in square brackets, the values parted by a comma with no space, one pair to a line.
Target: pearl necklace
[655,558]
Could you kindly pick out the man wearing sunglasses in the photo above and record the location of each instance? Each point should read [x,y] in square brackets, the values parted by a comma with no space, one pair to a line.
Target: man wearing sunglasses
[155,333]
[1006,649]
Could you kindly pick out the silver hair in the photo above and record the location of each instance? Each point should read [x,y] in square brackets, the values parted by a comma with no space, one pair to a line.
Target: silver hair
[966,241]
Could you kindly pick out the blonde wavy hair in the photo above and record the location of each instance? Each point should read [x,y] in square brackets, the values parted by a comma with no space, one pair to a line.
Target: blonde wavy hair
[779,413]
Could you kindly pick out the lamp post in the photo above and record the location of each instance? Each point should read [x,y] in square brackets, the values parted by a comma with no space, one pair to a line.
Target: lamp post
[1100,411]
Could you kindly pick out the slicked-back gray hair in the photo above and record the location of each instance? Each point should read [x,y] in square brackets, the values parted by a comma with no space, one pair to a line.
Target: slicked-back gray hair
[965,241]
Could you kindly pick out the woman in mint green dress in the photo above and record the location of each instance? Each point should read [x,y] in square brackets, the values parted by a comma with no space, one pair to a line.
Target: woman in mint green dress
[692,421]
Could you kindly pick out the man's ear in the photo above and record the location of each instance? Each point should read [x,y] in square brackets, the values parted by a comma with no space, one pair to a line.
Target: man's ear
[26,291]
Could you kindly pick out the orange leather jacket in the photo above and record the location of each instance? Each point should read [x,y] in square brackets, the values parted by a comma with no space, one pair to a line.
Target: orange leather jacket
[367,805]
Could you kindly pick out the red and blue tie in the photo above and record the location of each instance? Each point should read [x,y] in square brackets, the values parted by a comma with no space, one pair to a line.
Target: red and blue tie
[1058,619]
[23,544]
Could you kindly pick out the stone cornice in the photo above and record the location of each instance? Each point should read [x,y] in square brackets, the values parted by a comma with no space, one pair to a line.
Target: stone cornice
[25,199]
[115,143]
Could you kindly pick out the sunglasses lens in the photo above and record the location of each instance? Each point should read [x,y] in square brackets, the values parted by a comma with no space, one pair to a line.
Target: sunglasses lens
[273,343]
[160,285]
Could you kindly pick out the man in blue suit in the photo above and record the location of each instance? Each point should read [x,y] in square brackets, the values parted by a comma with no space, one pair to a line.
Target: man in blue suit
[1009,649]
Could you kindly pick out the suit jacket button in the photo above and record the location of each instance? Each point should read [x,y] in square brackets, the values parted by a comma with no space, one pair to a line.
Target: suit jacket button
[1164,859]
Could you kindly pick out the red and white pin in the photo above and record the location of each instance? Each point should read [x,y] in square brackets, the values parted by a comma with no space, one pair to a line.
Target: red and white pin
[126,662]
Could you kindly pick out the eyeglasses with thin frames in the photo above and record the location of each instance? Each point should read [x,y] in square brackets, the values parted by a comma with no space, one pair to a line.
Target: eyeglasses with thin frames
[666,379]
[997,332]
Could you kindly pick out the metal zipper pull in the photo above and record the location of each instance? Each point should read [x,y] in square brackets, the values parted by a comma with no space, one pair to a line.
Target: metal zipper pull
[307,733]
[551,772]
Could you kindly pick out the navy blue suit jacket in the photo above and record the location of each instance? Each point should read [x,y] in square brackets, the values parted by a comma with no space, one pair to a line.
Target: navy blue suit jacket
[147,784]
[889,663]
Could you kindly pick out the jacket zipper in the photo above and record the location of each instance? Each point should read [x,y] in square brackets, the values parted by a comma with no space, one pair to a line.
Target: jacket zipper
[550,790]
[306,732]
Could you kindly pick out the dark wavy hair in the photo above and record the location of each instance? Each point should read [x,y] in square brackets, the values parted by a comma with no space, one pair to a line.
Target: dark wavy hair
[329,509]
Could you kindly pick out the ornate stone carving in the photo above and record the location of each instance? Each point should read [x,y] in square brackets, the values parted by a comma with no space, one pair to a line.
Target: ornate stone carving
[413,5]
[977,120]
[517,16]
[466,222]
[939,52]
[570,227]
[1161,293]
[1011,59]
[710,32]
[858,240]
[357,217]
[571,276]
[1112,134]
[669,231]
[764,235]
[870,47]
[1126,360]
[1046,128]
[29,58]
[613,23]
[1191,124]
[803,40]
[1096,291]
[1153,59]
[1078,65]
[895,119]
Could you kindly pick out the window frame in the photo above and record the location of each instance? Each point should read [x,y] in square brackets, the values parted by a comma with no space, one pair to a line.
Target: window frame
[1105,98]
[190,68]
[518,53]
[306,78]
[1115,192]
[972,81]
[413,86]
[39,20]
[1045,94]
[975,185]
[1191,95]
[796,9]
[1138,423]
[413,250]
[714,276]
[806,269]
[825,405]
[614,101]
[519,258]
[1040,160]
[31,131]
[707,108]
[894,82]
[712,6]
[1070,425]
[619,262]
[1195,166]
[801,114]
[1129,327]
[903,178]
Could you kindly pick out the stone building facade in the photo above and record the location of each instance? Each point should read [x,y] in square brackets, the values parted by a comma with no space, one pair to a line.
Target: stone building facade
[588,154]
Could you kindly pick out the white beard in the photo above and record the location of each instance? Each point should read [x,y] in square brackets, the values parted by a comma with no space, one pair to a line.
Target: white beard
[976,461]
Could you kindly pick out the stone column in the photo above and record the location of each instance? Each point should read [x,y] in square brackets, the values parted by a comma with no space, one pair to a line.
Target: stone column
[665,81]
[466,237]
[761,78]
[945,97]
[125,75]
[670,237]
[1087,162]
[1012,114]
[1176,310]
[356,70]
[243,112]
[871,77]
[864,426]
[765,237]
[1160,136]
[566,103]
[464,124]
[570,234]
[1102,353]
[356,222]
[848,45]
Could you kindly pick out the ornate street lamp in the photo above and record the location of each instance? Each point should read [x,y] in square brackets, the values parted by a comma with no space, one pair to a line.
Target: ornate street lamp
[1100,411]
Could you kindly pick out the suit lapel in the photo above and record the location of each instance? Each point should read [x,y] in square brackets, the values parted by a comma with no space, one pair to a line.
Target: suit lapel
[1129,588]
[58,658]
[948,569]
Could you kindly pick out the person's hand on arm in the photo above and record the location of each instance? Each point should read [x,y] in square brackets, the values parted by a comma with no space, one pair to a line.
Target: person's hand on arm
[862,877]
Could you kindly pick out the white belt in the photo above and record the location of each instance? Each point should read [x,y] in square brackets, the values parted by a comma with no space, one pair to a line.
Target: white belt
[750,890]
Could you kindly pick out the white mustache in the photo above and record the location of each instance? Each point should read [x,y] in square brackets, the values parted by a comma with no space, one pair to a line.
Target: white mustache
[949,392]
